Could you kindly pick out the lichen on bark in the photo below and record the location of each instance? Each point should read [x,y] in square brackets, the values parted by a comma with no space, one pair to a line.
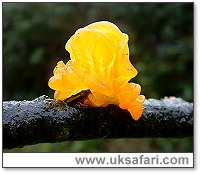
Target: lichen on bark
[46,120]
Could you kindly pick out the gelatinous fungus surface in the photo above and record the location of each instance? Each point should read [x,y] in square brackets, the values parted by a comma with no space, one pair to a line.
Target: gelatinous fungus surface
[100,63]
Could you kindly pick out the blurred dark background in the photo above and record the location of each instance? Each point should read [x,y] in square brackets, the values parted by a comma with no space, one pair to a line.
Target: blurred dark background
[161,47]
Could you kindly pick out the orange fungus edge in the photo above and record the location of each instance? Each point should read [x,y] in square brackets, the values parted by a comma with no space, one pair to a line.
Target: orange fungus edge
[99,62]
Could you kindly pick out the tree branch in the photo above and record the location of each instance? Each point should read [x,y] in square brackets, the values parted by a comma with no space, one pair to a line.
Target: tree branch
[45,120]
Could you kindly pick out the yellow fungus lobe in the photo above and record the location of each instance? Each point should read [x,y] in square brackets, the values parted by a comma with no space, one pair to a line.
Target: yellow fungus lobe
[100,63]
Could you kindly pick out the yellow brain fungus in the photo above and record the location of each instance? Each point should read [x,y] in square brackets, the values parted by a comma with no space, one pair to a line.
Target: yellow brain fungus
[100,63]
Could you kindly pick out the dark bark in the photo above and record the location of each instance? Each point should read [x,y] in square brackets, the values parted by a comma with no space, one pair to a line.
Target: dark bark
[44,120]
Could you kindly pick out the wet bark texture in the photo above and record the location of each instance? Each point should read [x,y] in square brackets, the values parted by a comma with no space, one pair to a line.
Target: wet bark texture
[45,120]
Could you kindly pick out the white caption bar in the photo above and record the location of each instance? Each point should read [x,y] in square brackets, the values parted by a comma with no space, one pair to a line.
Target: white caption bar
[97,159]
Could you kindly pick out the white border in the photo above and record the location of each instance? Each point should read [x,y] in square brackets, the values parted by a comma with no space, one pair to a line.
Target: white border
[118,160]
[196,80]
